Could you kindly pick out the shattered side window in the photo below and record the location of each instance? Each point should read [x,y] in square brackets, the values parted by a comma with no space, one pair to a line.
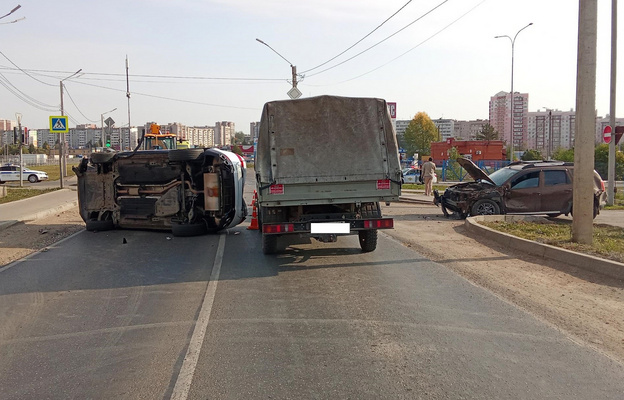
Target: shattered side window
[502,175]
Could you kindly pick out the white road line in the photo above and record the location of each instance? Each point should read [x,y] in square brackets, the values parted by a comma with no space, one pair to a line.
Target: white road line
[185,377]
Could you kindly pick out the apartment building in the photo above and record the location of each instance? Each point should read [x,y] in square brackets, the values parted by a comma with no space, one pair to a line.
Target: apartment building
[468,130]
[446,127]
[224,133]
[500,117]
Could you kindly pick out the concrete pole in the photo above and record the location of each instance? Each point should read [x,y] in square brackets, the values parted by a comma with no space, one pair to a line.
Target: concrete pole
[583,196]
[62,143]
[611,175]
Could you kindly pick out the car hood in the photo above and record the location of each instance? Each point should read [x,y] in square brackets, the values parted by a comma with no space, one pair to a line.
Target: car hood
[475,172]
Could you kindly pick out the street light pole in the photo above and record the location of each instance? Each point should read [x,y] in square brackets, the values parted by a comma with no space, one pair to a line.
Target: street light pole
[513,42]
[293,67]
[63,166]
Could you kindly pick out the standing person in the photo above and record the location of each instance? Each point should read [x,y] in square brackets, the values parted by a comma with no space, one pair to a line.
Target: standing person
[428,173]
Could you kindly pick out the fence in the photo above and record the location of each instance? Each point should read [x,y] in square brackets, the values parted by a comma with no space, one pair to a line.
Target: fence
[453,172]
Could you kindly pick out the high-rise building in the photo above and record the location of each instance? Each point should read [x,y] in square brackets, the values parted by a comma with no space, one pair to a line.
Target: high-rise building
[468,130]
[224,133]
[446,128]
[500,118]
[550,130]
[254,129]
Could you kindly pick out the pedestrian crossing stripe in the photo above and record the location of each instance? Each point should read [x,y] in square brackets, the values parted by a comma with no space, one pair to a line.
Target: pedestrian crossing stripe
[58,124]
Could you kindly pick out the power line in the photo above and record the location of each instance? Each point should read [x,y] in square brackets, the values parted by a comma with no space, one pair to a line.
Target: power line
[356,43]
[418,45]
[380,42]
[24,71]
[72,100]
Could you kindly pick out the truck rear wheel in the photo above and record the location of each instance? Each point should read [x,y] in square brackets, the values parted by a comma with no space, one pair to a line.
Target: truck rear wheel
[269,243]
[368,240]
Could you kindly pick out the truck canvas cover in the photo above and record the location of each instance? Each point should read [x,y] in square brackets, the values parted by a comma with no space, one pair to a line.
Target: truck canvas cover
[326,139]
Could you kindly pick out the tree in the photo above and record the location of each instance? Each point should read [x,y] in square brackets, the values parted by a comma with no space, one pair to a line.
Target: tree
[419,134]
[530,155]
[487,133]
[239,137]
[237,150]
[566,155]
[32,149]
[601,161]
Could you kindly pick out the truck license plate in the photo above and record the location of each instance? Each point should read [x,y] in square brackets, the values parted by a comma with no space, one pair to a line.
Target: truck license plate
[330,227]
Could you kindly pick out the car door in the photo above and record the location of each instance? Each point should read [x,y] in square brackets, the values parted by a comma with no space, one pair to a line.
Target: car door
[523,195]
[556,190]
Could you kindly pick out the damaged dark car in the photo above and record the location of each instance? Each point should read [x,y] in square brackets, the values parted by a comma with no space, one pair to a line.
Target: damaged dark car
[186,191]
[523,187]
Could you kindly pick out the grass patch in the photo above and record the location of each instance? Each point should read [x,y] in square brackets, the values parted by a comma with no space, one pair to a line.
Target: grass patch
[608,241]
[54,171]
[14,194]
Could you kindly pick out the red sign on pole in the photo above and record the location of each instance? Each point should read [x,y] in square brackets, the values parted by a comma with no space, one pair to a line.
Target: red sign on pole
[607,134]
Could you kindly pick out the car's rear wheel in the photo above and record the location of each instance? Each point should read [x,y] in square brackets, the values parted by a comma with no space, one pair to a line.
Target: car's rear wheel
[485,207]
[183,230]
[368,240]
[554,215]
[33,179]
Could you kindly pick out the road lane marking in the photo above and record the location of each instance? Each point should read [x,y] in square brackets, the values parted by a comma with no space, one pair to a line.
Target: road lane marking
[185,377]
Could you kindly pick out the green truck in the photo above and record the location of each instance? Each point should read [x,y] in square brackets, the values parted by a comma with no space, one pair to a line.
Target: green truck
[323,166]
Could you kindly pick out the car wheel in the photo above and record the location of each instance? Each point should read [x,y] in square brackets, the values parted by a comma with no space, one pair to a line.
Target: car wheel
[33,179]
[185,154]
[94,225]
[368,240]
[101,158]
[183,230]
[553,215]
[269,243]
[485,207]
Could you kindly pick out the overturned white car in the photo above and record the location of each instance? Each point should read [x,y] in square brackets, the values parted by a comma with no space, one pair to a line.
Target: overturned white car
[187,191]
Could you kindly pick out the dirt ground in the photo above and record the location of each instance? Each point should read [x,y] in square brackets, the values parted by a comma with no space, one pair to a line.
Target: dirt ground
[587,307]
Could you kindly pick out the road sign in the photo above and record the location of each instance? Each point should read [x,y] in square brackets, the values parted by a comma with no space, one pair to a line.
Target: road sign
[109,121]
[294,93]
[58,124]
[606,135]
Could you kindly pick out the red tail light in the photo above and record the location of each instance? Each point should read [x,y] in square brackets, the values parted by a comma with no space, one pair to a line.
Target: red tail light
[379,224]
[278,228]
[602,185]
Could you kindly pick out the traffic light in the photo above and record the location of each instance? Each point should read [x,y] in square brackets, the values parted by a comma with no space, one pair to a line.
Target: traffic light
[108,143]
[15,137]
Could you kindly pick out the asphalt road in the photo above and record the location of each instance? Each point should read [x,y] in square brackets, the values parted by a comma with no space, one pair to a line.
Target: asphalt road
[212,317]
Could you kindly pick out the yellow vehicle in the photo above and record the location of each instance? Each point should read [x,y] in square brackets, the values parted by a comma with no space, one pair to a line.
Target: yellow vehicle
[183,144]
[155,140]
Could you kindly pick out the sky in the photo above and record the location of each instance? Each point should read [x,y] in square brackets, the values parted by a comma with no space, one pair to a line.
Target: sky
[197,62]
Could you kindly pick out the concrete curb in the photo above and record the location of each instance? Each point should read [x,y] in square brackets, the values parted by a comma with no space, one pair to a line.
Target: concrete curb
[412,200]
[41,214]
[586,262]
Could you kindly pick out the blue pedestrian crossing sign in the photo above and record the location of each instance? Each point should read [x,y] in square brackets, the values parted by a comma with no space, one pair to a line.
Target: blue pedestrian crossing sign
[58,124]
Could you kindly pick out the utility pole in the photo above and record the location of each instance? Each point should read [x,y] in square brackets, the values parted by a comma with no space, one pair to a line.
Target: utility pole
[583,196]
[19,142]
[62,137]
[611,174]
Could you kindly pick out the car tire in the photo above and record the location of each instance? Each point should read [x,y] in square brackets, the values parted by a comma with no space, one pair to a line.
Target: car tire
[553,215]
[94,225]
[186,230]
[269,244]
[485,207]
[368,240]
[101,158]
[33,179]
[178,155]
